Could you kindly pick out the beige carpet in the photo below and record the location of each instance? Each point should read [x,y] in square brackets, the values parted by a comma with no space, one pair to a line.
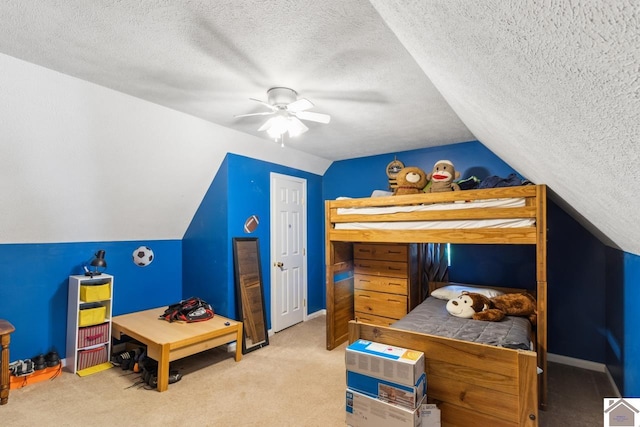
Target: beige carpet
[293,381]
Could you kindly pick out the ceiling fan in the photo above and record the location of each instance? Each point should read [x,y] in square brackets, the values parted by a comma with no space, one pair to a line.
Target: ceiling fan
[287,110]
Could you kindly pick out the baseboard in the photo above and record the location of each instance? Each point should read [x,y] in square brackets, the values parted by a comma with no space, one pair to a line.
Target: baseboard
[584,364]
[613,384]
[318,313]
[578,363]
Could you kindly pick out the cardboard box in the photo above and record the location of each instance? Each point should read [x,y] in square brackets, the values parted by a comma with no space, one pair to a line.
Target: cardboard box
[395,364]
[92,293]
[388,391]
[365,411]
[430,415]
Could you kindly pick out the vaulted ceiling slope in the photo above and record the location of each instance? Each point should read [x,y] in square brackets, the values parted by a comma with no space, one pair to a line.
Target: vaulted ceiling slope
[553,88]
[550,87]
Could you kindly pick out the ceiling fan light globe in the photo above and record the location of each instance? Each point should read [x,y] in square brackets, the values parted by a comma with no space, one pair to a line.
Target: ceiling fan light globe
[296,127]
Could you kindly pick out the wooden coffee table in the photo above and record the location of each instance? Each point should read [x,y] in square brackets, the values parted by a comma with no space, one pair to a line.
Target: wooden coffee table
[172,341]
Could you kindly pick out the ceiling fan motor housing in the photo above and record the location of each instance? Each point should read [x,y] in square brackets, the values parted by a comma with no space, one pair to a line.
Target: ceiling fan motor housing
[281,96]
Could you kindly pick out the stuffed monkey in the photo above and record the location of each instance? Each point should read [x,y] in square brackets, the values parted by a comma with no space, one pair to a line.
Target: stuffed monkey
[467,304]
[522,304]
[442,177]
[476,306]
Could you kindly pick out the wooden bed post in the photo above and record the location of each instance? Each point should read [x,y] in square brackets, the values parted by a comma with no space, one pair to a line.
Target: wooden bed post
[541,262]
[329,281]
[339,264]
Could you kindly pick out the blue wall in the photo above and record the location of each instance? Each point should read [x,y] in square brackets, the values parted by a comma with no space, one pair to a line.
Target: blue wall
[631,325]
[241,189]
[205,258]
[359,177]
[34,284]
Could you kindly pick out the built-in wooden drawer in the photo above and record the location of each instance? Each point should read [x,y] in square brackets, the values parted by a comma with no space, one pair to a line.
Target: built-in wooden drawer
[374,267]
[380,252]
[374,320]
[390,285]
[379,303]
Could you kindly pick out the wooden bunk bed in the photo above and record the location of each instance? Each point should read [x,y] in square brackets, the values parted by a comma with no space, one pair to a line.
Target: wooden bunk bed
[474,384]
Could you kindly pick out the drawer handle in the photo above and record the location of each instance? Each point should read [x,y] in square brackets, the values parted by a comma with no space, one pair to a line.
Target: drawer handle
[395,284]
[364,296]
[364,280]
[364,265]
[392,300]
[394,268]
[394,252]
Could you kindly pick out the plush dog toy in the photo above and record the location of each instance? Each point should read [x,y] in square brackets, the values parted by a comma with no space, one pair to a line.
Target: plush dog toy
[410,180]
[442,177]
[476,306]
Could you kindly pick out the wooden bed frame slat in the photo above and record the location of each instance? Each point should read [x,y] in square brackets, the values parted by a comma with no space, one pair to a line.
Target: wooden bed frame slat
[474,384]
[514,236]
[451,215]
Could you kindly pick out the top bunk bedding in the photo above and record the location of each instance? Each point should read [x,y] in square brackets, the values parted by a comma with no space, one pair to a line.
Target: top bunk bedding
[436,224]
[431,317]
[512,215]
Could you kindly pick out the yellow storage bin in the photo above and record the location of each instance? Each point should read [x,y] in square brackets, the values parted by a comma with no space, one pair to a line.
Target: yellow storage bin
[90,293]
[92,315]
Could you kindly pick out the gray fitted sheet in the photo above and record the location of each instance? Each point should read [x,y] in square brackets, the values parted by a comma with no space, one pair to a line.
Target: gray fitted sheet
[431,317]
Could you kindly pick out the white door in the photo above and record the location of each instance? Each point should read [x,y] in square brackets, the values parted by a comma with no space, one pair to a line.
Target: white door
[288,251]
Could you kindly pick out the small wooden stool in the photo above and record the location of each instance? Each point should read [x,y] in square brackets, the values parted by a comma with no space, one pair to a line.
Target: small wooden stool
[6,329]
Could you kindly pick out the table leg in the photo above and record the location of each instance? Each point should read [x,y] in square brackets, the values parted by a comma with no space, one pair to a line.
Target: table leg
[239,343]
[163,368]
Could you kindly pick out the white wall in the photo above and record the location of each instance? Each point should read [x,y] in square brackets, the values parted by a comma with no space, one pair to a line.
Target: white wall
[79,162]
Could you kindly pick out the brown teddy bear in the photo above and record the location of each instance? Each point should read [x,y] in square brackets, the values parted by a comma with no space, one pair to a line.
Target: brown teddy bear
[442,177]
[476,306]
[410,180]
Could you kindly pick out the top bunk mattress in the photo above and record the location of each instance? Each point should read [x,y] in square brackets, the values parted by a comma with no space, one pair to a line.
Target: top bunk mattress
[431,317]
[426,225]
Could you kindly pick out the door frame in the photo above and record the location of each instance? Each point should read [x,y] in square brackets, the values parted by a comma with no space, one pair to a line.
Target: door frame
[272,249]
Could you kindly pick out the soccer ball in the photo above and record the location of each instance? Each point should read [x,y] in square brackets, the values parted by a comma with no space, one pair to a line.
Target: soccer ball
[142,256]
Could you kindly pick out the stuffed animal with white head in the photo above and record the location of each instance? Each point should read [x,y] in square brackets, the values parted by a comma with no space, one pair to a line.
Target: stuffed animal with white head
[476,306]
[442,177]
[466,305]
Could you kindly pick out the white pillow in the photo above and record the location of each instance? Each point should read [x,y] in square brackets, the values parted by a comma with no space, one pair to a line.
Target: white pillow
[381,193]
[453,291]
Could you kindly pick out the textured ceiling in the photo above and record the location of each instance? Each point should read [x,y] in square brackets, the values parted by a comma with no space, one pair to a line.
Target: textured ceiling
[207,58]
[550,87]
[553,88]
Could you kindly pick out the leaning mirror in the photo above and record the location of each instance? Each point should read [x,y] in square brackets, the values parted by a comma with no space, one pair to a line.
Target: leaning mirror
[249,293]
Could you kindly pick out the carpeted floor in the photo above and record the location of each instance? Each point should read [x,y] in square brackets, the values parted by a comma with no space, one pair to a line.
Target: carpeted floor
[292,382]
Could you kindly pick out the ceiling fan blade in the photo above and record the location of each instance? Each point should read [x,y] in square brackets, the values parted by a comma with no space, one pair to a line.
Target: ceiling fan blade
[299,105]
[264,113]
[296,127]
[266,124]
[266,104]
[314,117]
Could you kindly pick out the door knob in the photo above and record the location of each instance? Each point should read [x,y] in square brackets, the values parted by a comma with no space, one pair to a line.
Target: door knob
[279,264]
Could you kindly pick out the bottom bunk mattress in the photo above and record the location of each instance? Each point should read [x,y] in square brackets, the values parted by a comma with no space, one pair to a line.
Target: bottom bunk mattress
[431,317]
